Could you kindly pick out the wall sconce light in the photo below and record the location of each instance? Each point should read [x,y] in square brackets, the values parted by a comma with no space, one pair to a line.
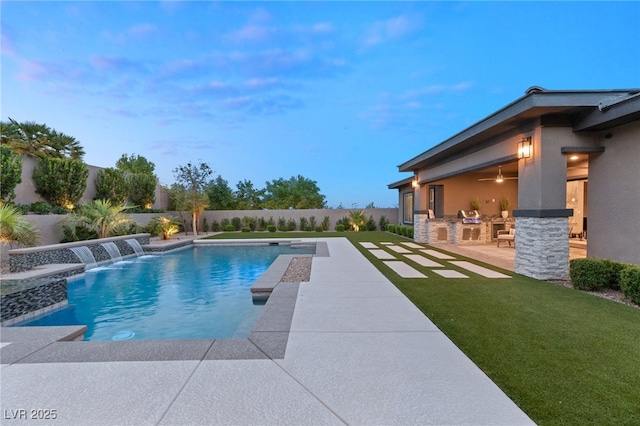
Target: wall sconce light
[524,148]
[499,178]
[414,182]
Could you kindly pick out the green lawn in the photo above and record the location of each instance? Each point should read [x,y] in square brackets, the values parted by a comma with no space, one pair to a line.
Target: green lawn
[564,356]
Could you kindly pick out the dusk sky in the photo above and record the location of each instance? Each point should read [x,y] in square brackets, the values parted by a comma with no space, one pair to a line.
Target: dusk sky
[338,92]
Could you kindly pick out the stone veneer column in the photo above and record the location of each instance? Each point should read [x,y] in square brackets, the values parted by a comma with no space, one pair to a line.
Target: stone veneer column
[421,228]
[542,247]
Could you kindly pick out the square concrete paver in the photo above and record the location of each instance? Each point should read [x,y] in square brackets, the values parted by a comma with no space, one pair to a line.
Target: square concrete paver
[404,270]
[246,392]
[449,273]
[117,393]
[399,249]
[382,254]
[368,245]
[436,254]
[485,272]
[423,261]
[412,245]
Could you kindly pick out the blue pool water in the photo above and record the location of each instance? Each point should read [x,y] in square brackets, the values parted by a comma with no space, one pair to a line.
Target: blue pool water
[196,293]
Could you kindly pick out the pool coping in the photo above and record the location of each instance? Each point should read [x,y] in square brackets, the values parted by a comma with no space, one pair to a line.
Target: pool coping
[267,340]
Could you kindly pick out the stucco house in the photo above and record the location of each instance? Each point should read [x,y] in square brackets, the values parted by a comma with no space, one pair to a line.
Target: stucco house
[568,161]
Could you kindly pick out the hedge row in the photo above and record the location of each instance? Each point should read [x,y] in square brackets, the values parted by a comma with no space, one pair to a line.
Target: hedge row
[406,231]
[598,274]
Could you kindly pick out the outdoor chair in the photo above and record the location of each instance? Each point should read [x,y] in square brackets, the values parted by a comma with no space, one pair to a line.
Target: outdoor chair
[506,235]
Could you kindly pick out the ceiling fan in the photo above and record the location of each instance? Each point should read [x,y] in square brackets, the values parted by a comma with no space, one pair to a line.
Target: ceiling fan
[499,178]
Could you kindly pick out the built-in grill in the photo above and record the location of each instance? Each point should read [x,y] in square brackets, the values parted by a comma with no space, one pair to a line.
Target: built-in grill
[469,216]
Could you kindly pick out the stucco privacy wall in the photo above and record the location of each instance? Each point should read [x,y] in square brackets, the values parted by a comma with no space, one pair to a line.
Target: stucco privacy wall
[614,197]
[26,190]
[50,232]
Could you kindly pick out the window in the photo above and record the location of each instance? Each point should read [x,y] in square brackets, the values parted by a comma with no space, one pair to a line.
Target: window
[407,207]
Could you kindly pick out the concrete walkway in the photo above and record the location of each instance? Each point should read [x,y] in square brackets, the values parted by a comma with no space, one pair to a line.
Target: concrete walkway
[359,352]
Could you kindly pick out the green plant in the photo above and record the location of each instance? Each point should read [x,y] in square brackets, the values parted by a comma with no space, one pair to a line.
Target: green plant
[391,228]
[249,222]
[40,207]
[205,225]
[630,282]
[504,203]
[165,226]
[303,223]
[61,181]
[59,210]
[340,228]
[326,221]
[100,216]
[262,224]
[291,224]
[112,185]
[237,223]
[271,228]
[215,226]
[319,228]
[15,228]
[383,222]
[224,222]
[475,203]
[246,229]
[271,221]
[10,173]
[371,224]
[589,274]
[312,222]
[356,219]
[229,228]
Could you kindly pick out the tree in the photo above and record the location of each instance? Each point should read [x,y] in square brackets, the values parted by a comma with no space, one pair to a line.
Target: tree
[357,219]
[193,180]
[112,185]
[220,195]
[14,228]
[247,197]
[142,189]
[141,179]
[39,140]
[135,164]
[61,181]
[10,173]
[100,216]
[297,192]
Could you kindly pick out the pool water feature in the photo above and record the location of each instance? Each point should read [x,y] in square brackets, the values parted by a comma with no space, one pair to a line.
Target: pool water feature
[201,292]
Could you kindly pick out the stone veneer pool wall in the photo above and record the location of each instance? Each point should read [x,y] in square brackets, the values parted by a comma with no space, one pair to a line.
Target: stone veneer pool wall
[28,258]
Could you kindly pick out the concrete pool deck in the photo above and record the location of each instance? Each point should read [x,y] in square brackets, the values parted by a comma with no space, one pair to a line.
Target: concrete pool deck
[358,352]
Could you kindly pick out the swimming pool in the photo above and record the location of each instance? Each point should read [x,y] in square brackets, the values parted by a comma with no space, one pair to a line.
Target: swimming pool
[201,292]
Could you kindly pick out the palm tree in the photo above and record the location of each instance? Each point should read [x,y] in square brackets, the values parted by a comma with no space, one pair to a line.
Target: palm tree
[14,229]
[39,140]
[357,219]
[99,216]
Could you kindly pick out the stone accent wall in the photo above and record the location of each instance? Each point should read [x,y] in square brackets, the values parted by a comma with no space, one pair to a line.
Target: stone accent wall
[420,227]
[26,259]
[542,247]
[33,297]
[429,231]
[469,233]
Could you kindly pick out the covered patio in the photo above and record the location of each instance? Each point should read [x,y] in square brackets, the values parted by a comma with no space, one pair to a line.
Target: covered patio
[554,158]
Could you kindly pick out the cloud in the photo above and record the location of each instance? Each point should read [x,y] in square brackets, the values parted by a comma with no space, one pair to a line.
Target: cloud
[389,29]
[142,30]
[251,34]
[6,42]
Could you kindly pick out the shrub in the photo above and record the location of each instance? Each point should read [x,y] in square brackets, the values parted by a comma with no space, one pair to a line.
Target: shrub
[383,222]
[282,224]
[291,225]
[246,229]
[344,222]
[205,226]
[303,223]
[215,226]
[614,270]
[224,223]
[391,228]
[40,207]
[22,208]
[229,228]
[271,228]
[630,282]
[10,173]
[59,210]
[262,224]
[340,228]
[371,224]
[61,181]
[236,222]
[319,228]
[325,223]
[142,189]
[112,185]
[312,222]
[589,274]
[249,222]
[271,221]
[165,226]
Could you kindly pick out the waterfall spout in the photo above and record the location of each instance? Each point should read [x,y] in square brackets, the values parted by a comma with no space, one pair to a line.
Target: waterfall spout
[135,245]
[85,256]
[112,249]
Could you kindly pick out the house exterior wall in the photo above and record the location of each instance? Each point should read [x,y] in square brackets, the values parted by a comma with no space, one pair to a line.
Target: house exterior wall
[613,227]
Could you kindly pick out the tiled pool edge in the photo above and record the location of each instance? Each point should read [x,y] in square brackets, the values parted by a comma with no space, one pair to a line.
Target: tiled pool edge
[268,339]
